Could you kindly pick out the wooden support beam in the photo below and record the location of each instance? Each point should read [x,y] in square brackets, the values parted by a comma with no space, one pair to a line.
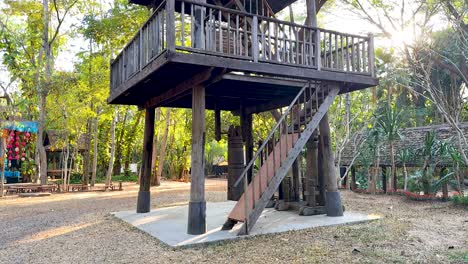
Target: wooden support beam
[180,90]
[217,123]
[311,176]
[333,199]
[144,200]
[246,126]
[295,181]
[321,173]
[384,178]
[353,177]
[197,205]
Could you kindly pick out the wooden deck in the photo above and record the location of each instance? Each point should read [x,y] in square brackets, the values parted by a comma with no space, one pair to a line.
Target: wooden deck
[245,58]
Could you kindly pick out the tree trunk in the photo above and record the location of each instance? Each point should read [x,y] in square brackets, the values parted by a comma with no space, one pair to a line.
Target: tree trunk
[162,153]
[40,139]
[405,171]
[95,152]
[43,92]
[154,155]
[112,153]
[66,172]
[394,173]
[87,152]
[118,151]
[130,139]
[2,167]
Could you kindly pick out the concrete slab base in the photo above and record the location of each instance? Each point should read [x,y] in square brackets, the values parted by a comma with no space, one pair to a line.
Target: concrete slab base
[169,224]
[39,194]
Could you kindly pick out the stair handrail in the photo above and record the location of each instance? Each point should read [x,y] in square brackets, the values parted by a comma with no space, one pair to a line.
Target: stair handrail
[272,132]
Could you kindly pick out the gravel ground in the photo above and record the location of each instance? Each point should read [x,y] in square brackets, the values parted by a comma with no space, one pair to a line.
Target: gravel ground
[77,228]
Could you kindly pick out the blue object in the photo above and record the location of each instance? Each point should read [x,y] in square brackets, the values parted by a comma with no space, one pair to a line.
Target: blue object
[21,126]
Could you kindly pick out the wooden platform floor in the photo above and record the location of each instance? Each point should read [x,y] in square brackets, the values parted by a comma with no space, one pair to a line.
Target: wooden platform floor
[167,81]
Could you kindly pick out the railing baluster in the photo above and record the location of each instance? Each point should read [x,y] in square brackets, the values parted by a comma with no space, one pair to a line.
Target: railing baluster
[358,56]
[330,50]
[182,20]
[263,43]
[269,36]
[370,55]
[237,43]
[276,43]
[298,44]
[342,53]
[246,37]
[192,27]
[229,33]
[336,53]
[353,66]
[255,43]
[318,47]
[221,46]
[304,57]
[363,50]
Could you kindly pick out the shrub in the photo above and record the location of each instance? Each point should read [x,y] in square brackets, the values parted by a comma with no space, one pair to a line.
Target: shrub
[460,200]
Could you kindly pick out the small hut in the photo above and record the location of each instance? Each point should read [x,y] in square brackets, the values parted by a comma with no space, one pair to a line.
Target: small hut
[53,143]
[411,139]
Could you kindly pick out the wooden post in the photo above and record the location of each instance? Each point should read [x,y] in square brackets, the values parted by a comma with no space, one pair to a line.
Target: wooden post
[318,58]
[384,178]
[311,171]
[246,126]
[320,172]
[217,124]
[353,178]
[144,199]
[197,205]
[333,199]
[199,28]
[255,39]
[371,55]
[295,181]
[170,37]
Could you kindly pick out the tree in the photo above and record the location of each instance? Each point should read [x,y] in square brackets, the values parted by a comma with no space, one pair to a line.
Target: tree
[404,156]
[389,122]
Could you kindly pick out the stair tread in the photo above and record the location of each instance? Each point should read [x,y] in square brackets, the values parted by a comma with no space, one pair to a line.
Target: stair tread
[238,212]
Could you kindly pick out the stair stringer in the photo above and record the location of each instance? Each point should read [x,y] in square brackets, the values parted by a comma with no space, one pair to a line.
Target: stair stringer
[293,153]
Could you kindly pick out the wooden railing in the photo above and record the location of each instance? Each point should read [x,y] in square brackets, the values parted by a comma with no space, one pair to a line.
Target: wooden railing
[210,29]
[144,47]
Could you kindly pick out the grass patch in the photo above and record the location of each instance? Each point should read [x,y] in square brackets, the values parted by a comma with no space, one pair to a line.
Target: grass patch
[459,256]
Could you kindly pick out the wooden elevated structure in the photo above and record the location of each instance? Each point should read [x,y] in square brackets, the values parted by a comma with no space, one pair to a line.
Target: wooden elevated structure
[235,56]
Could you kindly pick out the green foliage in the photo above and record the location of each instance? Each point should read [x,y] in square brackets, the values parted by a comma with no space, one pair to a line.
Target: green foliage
[127,177]
[460,200]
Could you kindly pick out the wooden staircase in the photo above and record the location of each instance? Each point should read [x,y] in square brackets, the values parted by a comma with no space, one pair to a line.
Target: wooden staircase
[279,150]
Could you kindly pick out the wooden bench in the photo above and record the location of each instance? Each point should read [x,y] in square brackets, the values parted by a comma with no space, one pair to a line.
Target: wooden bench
[113,187]
[78,187]
[47,188]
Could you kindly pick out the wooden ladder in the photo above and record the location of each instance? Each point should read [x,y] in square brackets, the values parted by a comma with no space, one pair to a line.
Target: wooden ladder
[279,150]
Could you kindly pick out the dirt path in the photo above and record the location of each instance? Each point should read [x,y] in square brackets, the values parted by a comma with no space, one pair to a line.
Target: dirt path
[77,228]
